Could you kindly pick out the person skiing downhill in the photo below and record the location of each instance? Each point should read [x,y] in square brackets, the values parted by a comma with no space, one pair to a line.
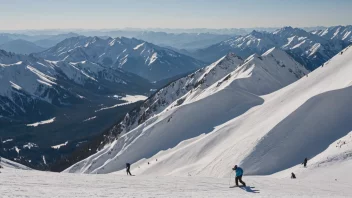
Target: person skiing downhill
[128,167]
[239,174]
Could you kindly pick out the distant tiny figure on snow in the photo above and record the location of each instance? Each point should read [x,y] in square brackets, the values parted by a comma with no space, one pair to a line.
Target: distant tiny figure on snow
[156,160]
[128,167]
[305,162]
[148,163]
[293,176]
[239,174]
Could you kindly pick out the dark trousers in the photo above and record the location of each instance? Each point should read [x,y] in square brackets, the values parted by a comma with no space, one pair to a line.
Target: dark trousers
[239,178]
[128,171]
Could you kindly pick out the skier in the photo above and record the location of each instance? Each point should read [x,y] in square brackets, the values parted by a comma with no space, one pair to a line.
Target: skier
[305,162]
[128,167]
[293,176]
[239,174]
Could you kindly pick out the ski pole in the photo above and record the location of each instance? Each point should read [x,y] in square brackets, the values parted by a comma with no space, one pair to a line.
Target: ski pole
[230,178]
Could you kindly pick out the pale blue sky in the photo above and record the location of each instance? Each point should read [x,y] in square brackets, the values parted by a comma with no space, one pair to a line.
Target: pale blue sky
[98,14]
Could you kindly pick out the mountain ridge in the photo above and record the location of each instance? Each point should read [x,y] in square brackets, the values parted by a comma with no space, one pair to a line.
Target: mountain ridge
[309,49]
[136,56]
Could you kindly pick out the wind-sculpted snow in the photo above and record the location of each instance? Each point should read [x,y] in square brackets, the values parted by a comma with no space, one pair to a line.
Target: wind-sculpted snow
[196,114]
[139,57]
[137,143]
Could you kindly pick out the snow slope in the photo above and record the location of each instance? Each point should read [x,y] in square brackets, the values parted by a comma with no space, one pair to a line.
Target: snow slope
[338,156]
[47,184]
[197,113]
[155,104]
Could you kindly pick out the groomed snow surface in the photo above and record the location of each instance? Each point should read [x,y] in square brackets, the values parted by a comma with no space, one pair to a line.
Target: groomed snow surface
[19,183]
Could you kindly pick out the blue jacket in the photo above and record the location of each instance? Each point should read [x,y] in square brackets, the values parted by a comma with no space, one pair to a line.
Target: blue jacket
[239,171]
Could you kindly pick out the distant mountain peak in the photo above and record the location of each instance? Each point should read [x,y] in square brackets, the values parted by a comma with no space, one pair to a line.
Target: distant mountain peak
[288,31]
[258,34]
[124,53]
[21,46]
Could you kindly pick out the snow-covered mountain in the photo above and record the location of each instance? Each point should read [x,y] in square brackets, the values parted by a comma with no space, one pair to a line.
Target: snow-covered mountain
[40,99]
[21,47]
[233,122]
[308,49]
[155,104]
[190,109]
[27,81]
[336,33]
[139,57]
[26,85]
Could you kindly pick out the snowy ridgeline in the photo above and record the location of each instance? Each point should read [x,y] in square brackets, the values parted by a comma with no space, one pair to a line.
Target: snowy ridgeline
[135,56]
[28,82]
[5,163]
[228,68]
[310,49]
[336,33]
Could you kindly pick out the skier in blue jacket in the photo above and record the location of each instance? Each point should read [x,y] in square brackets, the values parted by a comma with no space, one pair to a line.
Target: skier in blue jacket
[239,174]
